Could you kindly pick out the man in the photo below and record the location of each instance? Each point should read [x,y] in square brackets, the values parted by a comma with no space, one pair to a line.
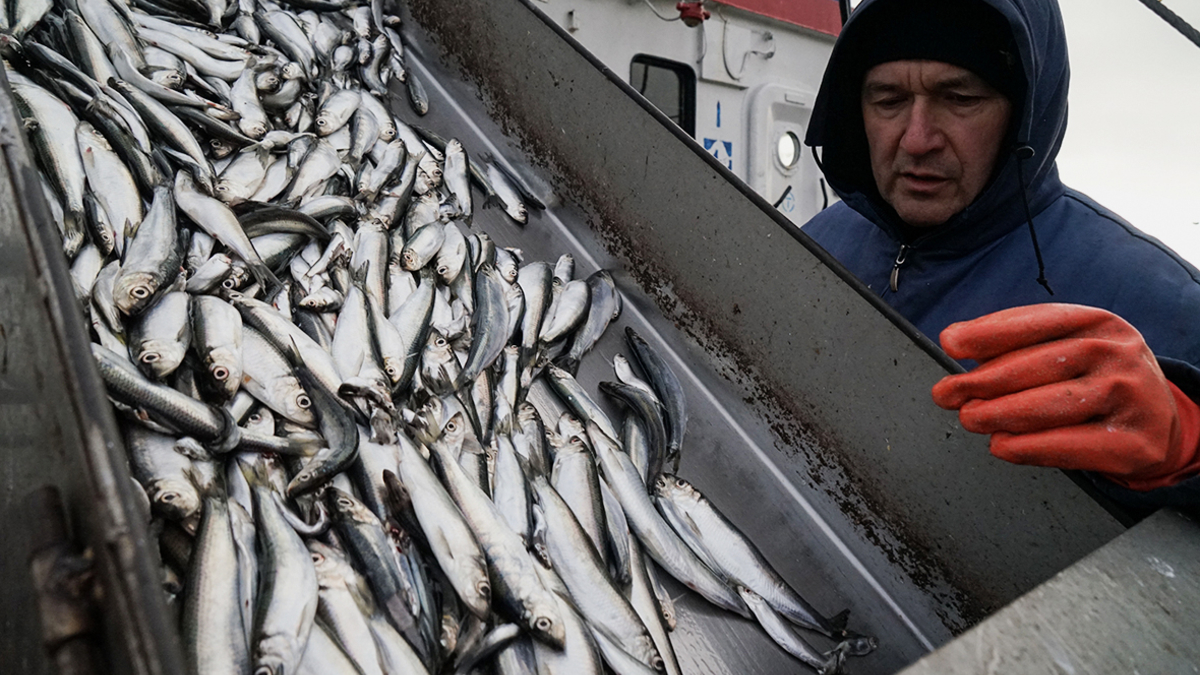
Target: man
[938,122]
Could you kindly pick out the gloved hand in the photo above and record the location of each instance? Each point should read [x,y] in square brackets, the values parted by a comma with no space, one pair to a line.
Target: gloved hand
[1072,387]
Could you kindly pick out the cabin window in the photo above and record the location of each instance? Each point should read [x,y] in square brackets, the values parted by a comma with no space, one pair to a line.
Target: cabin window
[669,85]
[787,150]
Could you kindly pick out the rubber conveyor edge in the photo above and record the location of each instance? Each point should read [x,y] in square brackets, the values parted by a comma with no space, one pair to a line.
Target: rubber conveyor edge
[823,358]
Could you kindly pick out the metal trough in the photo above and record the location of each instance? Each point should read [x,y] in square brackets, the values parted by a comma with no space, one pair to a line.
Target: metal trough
[811,424]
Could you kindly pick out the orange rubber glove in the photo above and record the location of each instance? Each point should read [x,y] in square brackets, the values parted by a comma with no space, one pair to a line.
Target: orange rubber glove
[1072,387]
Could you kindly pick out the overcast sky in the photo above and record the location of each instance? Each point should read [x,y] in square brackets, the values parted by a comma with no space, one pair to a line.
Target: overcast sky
[1133,135]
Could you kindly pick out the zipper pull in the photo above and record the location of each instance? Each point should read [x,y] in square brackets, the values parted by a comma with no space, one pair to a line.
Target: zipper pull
[900,257]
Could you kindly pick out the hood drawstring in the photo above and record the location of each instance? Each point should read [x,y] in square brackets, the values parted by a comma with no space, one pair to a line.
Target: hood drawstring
[1024,152]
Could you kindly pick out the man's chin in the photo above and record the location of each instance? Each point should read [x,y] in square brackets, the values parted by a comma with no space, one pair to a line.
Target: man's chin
[924,213]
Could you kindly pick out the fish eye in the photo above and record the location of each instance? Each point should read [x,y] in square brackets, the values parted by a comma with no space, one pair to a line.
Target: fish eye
[222,188]
[168,497]
[657,663]
[441,342]
[345,502]
[483,587]
[303,401]
[680,482]
[150,357]
[543,624]
[140,292]
[661,481]
[220,372]
[318,558]
[256,418]
[321,122]
[228,283]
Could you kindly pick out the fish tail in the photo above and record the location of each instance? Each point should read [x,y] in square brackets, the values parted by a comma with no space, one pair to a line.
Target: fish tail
[568,363]
[835,661]
[838,621]
[73,233]
[265,278]
[856,644]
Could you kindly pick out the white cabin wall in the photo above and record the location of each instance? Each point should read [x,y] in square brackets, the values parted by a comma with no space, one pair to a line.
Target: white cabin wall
[760,97]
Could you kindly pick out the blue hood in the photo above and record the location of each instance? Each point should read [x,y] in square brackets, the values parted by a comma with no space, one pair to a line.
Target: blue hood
[836,128]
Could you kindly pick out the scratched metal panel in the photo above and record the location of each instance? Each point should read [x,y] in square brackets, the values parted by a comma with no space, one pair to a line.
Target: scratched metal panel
[1130,607]
[56,427]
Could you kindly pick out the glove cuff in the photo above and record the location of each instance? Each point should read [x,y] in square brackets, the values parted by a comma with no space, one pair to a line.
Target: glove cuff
[1187,463]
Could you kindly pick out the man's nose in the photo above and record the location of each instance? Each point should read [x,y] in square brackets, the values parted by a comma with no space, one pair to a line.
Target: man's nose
[922,134]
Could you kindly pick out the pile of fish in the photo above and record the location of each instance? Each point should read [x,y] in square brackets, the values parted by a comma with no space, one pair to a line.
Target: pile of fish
[345,406]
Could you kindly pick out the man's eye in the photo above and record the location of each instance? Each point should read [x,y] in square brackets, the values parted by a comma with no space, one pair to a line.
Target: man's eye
[964,99]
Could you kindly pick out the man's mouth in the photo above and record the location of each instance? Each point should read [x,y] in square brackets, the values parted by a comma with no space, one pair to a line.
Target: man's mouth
[923,182]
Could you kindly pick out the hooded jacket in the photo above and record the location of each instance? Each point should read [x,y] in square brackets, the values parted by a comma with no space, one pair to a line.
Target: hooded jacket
[982,260]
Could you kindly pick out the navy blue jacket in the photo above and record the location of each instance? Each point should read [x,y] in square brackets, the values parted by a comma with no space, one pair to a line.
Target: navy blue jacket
[982,260]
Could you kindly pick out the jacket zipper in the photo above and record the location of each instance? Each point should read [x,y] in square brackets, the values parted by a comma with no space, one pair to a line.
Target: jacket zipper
[900,259]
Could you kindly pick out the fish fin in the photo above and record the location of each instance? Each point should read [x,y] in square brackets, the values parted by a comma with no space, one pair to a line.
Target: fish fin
[568,363]
[191,448]
[292,351]
[838,621]
[493,201]
[359,276]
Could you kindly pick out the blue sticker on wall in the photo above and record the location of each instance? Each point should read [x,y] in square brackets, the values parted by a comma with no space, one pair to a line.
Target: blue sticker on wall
[722,150]
[789,203]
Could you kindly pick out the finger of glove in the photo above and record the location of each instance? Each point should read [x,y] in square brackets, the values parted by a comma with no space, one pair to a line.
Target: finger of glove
[1062,404]
[1027,368]
[1092,447]
[1008,330]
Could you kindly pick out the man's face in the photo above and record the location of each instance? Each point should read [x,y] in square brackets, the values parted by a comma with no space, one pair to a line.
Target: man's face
[934,131]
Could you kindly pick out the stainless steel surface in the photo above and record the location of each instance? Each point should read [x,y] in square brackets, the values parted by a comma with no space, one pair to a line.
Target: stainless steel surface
[1130,607]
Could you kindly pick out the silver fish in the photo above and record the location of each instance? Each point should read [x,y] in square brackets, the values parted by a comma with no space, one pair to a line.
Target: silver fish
[152,258]
[829,663]
[660,540]
[586,577]
[214,639]
[521,596]
[160,336]
[287,593]
[217,336]
[216,219]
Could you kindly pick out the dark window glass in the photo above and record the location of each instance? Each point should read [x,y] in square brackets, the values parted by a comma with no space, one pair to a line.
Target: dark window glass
[669,85]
